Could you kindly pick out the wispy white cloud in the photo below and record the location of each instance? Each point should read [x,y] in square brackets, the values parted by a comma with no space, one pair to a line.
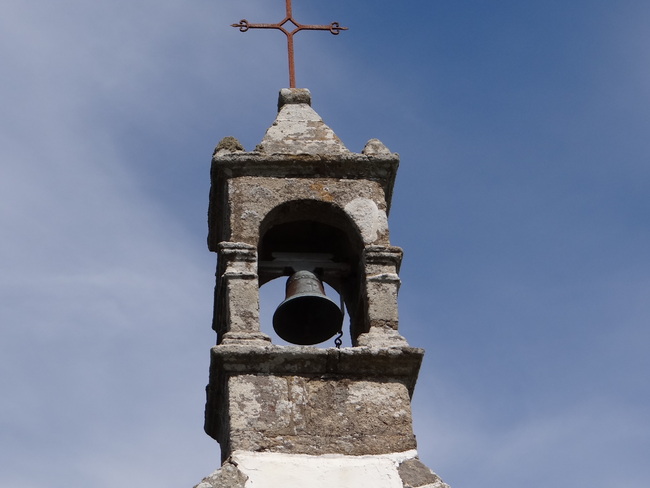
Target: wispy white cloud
[525,279]
[597,440]
[106,299]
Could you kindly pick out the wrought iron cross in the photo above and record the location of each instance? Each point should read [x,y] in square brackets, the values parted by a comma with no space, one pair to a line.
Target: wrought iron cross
[334,28]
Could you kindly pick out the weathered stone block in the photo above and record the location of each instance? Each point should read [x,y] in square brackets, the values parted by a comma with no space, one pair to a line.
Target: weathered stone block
[415,474]
[251,198]
[381,296]
[228,476]
[357,408]
[338,179]
[312,414]
[260,403]
[305,400]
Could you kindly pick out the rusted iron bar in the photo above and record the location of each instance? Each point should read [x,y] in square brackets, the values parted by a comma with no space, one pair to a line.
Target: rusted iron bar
[288,21]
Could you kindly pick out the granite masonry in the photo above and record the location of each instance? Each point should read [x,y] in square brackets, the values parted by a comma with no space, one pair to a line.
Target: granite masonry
[296,416]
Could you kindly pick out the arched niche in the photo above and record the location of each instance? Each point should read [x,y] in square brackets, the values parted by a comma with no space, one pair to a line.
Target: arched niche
[318,236]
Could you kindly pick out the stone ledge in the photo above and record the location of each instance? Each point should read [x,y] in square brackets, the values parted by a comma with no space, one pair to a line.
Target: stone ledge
[313,445]
[342,166]
[223,157]
[399,363]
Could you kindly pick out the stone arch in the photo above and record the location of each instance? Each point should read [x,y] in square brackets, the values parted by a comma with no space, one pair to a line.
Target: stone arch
[318,230]
[254,203]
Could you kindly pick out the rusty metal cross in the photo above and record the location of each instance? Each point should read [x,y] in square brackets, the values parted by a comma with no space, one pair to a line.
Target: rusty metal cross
[289,21]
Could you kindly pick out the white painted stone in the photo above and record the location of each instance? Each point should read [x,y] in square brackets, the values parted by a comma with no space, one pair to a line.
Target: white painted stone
[370,220]
[277,470]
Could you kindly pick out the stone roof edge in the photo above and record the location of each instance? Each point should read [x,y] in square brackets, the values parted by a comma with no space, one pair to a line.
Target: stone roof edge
[252,156]
[382,169]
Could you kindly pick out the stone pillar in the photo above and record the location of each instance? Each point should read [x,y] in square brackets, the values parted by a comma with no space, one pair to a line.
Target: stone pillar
[381,266]
[236,315]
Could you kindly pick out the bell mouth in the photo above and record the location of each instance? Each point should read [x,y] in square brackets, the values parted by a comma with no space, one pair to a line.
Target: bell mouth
[307,319]
[307,316]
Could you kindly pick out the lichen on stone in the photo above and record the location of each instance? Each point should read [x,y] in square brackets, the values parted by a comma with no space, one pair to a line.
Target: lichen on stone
[415,474]
[228,476]
[230,144]
[374,147]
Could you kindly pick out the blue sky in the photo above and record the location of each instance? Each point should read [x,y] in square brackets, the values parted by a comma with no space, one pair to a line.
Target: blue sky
[521,203]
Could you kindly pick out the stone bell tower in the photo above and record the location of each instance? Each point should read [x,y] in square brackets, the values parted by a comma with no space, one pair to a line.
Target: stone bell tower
[301,204]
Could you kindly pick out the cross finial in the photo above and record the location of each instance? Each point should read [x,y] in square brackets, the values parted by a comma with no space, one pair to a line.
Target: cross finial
[289,21]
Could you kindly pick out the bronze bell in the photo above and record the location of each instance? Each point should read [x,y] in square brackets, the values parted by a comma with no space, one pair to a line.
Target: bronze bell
[306,316]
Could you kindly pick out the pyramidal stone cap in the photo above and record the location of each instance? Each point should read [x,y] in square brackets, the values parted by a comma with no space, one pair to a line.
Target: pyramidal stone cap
[298,129]
[298,145]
